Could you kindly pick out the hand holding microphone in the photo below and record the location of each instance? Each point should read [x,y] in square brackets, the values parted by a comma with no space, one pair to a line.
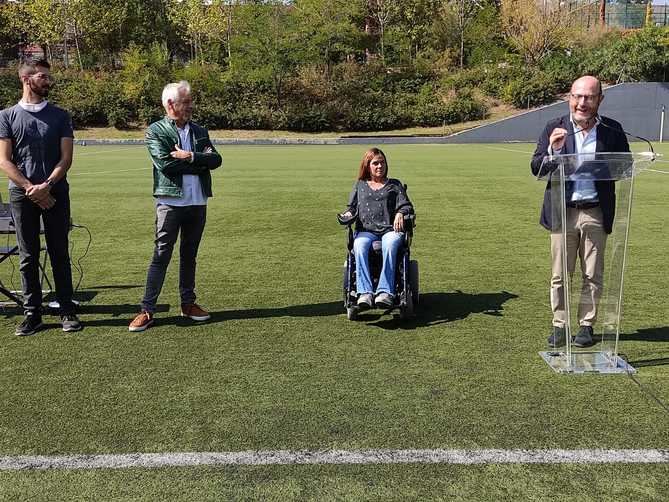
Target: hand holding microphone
[557,138]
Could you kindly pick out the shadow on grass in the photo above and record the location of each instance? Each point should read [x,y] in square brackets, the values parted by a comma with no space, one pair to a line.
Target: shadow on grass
[121,314]
[662,361]
[439,308]
[434,308]
[648,335]
[642,335]
[124,313]
[659,334]
[115,286]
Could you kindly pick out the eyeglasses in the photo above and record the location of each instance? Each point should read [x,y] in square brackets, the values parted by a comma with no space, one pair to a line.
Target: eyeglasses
[377,162]
[588,98]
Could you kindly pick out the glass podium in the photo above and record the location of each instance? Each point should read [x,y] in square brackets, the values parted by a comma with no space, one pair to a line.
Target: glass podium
[565,175]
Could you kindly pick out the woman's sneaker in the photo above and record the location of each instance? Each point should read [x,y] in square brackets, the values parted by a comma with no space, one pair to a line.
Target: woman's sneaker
[29,326]
[384,300]
[71,323]
[365,301]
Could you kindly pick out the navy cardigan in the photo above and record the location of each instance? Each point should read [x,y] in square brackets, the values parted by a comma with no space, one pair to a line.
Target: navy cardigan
[610,138]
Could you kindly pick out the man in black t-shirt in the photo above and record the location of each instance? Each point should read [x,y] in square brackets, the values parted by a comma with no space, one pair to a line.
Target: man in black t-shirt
[36,143]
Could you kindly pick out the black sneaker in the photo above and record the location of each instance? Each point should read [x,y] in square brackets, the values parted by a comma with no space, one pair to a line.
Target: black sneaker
[558,338]
[583,337]
[71,323]
[31,323]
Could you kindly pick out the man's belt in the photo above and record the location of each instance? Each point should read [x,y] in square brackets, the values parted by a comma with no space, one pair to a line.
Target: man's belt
[583,204]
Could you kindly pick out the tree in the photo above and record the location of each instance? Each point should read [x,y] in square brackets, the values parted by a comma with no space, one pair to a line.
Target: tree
[414,23]
[382,12]
[330,28]
[204,24]
[45,23]
[267,44]
[12,29]
[535,31]
[464,12]
[96,27]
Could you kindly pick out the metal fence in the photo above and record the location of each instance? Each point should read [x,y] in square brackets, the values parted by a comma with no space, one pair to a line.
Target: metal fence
[625,15]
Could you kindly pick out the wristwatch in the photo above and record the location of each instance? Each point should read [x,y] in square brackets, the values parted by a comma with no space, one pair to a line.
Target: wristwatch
[50,183]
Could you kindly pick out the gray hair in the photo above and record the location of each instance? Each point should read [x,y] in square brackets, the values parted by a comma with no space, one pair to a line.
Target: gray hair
[171,91]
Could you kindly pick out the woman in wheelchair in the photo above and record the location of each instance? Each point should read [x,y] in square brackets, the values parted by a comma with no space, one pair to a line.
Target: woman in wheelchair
[379,206]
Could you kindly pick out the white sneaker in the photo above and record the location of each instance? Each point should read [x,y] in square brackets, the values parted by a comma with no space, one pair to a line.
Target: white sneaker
[365,300]
[384,300]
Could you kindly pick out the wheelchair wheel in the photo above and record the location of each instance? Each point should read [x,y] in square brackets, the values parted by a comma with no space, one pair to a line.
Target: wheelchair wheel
[348,298]
[407,312]
[414,282]
[345,283]
[351,313]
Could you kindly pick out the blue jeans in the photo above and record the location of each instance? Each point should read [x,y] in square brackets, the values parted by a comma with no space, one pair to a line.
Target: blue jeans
[391,242]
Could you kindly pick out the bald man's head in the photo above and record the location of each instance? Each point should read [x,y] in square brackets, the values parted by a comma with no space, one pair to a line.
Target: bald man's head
[584,100]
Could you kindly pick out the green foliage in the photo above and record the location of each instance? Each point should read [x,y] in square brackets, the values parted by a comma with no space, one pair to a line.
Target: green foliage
[309,65]
[84,95]
[642,55]
[538,89]
[484,42]
[464,106]
[10,88]
[142,79]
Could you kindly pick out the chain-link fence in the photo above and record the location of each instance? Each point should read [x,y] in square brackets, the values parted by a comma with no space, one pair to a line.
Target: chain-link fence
[626,15]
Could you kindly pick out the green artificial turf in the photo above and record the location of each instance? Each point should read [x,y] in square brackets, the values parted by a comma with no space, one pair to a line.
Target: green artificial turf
[280,366]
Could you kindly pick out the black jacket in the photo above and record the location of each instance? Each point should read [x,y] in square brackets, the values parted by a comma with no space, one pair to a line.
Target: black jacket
[610,138]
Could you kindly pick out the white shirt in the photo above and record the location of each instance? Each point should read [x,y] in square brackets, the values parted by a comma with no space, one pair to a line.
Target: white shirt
[191,188]
[585,190]
[33,107]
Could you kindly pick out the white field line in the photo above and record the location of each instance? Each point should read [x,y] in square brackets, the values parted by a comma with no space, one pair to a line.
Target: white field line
[525,152]
[79,153]
[95,173]
[338,457]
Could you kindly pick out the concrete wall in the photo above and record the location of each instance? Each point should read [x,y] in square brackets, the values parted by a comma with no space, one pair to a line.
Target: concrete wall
[637,106]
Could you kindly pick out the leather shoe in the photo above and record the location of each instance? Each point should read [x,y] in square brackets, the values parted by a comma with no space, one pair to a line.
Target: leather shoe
[583,337]
[558,338]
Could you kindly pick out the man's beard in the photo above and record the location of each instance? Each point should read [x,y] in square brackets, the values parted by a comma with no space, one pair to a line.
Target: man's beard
[41,92]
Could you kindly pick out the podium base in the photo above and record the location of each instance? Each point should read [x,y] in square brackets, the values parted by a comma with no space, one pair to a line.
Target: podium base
[586,362]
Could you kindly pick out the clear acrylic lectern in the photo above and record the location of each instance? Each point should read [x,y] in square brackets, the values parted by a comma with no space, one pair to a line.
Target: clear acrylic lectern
[563,172]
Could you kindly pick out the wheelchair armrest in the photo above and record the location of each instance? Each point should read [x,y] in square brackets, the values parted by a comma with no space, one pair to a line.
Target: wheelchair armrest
[346,220]
[409,222]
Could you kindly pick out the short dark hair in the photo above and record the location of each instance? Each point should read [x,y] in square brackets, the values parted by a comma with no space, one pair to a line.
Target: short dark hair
[28,67]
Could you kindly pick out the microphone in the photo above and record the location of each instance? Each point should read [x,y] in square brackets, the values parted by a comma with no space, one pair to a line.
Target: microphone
[576,131]
[599,121]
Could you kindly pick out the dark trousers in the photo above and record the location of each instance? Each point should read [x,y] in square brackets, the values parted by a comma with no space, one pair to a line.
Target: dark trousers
[26,215]
[170,220]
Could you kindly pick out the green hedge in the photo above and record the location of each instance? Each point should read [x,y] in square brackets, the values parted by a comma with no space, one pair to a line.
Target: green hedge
[355,98]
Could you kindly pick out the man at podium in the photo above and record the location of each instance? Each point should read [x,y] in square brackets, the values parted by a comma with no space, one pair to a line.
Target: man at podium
[590,205]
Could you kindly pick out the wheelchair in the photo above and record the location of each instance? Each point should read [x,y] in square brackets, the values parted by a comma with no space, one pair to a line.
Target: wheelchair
[406,295]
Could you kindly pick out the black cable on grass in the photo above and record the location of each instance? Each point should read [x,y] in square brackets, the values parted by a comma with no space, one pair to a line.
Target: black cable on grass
[644,388]
[78,264]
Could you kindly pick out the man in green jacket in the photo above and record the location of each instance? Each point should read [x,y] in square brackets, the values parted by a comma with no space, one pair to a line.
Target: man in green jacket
[183,156]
